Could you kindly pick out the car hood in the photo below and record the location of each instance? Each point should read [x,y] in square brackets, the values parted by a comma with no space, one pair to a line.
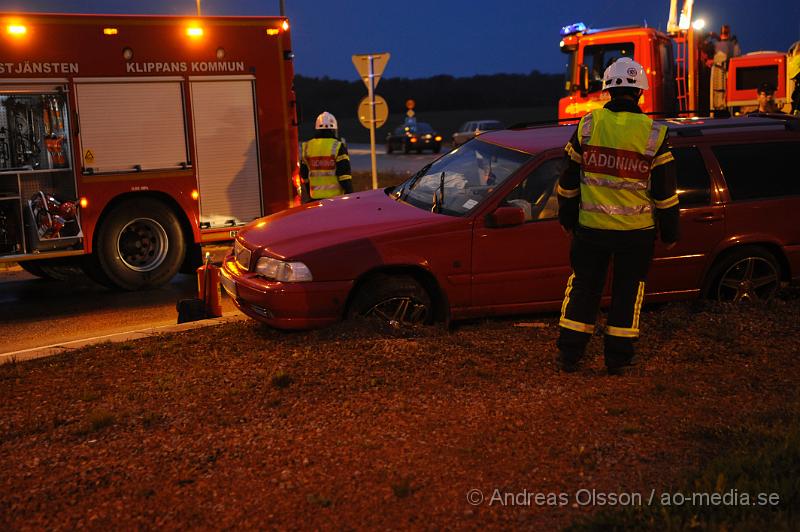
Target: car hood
[294,232]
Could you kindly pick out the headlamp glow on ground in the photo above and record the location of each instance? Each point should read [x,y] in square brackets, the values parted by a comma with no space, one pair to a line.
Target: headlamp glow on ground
[287,272]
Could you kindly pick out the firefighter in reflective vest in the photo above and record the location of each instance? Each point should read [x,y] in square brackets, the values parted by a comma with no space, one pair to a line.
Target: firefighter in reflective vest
[325,164]
[617,192]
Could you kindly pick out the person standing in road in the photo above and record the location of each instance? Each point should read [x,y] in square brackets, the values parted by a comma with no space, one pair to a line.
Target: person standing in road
[617,192]
[766,99]
[325,164]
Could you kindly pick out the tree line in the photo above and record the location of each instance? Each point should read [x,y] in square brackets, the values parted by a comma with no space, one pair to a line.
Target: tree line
[437,93]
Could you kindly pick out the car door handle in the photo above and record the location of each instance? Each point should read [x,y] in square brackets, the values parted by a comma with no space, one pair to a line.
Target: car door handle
[708,217]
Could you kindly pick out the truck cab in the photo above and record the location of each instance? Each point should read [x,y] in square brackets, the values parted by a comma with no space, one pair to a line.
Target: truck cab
[681,79]
[590,51]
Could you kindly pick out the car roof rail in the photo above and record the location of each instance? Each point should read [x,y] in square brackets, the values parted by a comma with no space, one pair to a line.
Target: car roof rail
[542,123]
[656,115]
[688,127]
[694,127]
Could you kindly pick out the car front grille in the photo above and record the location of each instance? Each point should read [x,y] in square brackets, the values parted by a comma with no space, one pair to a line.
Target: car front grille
[242,255]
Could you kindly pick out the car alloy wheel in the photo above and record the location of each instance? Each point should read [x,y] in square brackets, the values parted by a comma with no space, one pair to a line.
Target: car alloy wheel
[749,279]
[397,300]
[400,312]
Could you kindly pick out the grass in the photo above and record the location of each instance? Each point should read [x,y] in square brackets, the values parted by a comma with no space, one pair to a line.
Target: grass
[151,419]
[281,380]
[756,477]
[319,500]
[402,488]
[97,419]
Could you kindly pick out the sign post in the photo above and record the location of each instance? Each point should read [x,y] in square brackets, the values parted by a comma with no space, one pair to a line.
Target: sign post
[370,67]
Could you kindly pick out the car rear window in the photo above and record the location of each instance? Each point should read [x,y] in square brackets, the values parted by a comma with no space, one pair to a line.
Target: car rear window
[422,127]
[694,183]
[764,170]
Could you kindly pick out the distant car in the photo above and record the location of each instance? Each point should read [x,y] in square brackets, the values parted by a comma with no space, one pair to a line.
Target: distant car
[471,130]
[414,136]
[475,233]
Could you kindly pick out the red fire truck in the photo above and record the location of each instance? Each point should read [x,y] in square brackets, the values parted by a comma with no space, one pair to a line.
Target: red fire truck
[127,142]
[681,81]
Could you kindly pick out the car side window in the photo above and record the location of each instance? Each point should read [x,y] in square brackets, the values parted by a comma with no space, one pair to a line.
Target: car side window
[536,194]
[763,170]
[694,182]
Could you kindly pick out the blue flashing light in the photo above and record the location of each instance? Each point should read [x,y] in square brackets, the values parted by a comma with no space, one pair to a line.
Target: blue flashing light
[578,27]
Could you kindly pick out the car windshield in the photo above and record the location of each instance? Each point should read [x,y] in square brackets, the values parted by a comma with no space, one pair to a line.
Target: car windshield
[423,127]
[458,182]
[489,126]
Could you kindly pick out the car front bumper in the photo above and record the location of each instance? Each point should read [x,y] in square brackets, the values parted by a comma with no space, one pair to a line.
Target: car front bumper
[284,305]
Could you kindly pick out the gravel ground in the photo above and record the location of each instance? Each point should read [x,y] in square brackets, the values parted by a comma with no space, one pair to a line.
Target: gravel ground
[359,427]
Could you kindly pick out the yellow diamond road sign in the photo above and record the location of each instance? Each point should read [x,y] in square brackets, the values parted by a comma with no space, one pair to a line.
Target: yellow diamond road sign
[361,62]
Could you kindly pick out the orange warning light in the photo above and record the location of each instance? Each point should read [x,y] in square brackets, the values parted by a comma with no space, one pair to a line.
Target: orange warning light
[17,29]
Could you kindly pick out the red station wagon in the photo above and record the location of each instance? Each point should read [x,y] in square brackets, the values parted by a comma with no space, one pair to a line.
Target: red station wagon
[475,233]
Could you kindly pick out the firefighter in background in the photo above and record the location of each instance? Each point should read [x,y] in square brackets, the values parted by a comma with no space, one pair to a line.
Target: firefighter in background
[725,47]
[325,164]
[727,44]
[618,187]
[794,75]
[766,99]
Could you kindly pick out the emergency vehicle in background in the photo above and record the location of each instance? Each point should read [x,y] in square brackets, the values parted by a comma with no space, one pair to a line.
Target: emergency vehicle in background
[681,83]
[127,142]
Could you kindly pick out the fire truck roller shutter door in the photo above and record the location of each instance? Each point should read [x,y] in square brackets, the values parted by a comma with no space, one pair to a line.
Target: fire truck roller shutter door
[228,175]
[128,124]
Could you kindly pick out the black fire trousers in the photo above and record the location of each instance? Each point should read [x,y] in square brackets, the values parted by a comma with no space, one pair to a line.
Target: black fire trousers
[592,251]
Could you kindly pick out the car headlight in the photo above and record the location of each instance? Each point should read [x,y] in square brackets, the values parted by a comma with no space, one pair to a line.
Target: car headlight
[287,272]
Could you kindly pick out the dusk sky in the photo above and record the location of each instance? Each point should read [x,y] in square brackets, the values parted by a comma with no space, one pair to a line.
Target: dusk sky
[457,37]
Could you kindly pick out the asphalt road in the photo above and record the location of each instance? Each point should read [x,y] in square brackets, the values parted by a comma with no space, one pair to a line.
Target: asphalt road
[398,163]
[37,313]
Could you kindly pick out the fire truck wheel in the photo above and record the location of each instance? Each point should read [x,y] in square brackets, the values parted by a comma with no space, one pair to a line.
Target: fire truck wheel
[140,245]
[62,269]
[35,268]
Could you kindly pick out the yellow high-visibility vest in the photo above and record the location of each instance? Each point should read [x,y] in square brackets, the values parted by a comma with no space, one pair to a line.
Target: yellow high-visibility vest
[618,154]
[319,155]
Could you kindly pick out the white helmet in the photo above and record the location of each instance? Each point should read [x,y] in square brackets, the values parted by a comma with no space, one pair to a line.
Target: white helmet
[625,72]
[326,121]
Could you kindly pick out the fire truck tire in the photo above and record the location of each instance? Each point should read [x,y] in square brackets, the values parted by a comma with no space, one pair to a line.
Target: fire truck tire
[91,268]
[34,267]
[60,269]
[140,244]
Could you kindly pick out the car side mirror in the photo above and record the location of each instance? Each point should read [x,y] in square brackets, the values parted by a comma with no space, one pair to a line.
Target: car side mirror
[583,80]
[506,216]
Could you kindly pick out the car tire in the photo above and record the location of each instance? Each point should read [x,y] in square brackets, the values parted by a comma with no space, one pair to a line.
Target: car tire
[139,245]
[406,148]
[398,300]
[437,148]
[750,273]
[389,148]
